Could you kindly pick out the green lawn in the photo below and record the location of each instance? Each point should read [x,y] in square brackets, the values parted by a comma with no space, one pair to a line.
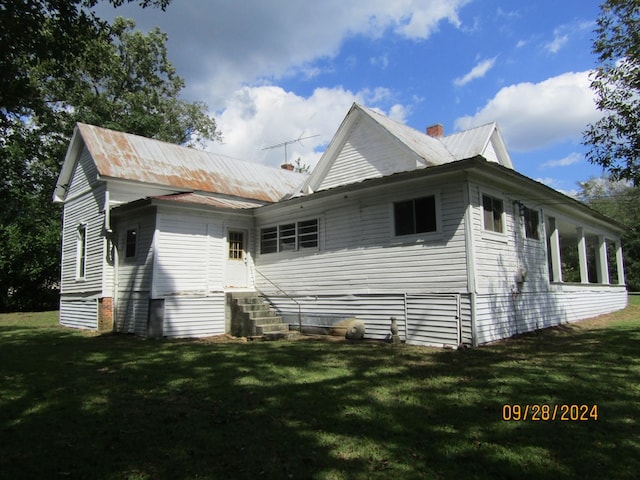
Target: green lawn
[80,405]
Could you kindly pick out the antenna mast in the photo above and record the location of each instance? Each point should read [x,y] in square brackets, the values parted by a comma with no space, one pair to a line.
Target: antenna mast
[289,142]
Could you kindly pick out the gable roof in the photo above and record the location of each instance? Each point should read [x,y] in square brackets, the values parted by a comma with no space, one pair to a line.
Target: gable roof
[485,141]
[412,149]
[124,156]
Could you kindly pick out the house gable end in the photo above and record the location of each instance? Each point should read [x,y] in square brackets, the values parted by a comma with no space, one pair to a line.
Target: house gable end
[369,145]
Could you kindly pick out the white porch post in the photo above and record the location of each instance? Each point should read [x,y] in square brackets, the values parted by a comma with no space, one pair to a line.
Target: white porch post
[602,261]
[620,263]
[582,255]
[554,246]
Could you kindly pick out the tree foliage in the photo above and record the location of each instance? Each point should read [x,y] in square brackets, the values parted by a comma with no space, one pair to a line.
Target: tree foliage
[68,66]
[621,201]
[614,140]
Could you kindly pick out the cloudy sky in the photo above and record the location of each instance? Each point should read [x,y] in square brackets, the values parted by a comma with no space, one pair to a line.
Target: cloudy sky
[277,70]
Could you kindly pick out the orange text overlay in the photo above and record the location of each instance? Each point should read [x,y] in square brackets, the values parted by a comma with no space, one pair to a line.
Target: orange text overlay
[547,413]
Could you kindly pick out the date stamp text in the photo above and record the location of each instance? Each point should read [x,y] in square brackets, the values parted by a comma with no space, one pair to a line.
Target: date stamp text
[549,413]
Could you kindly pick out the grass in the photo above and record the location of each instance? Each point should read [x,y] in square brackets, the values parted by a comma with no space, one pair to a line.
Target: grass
[80,405]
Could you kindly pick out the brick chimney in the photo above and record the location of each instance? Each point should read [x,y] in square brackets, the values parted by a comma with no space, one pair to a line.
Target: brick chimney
[436,130]
[287,166]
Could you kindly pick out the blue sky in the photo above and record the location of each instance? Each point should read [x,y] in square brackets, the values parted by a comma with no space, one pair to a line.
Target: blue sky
[274,70]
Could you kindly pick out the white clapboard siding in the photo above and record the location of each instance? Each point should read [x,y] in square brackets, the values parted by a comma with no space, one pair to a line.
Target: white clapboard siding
[186,316]
[191,252]
[136,274]
[84,175]
[181,255]
[433,320]
[79,312]
[501,316]
[85,209]
[132,312]
[367,154]
[374,310]
[359,252]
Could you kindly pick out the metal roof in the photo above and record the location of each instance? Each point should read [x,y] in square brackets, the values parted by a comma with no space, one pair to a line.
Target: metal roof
[131,157]
[209,200]
[430,149]
[469,143]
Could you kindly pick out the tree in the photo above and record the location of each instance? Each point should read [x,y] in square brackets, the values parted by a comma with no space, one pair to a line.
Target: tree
[120,79]
[619,200]
[614,140]
[34,32]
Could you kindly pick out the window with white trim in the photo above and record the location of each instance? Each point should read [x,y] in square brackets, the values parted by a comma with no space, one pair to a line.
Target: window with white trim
[415,216]
[289,237]
[81,251]
[493,214]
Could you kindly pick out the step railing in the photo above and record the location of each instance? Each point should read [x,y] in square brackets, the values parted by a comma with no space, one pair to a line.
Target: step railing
[277,287]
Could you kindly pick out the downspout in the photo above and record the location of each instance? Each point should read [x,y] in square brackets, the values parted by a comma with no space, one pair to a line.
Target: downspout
[471,270]
[112,251]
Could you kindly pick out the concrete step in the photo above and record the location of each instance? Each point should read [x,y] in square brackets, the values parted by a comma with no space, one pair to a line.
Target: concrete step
[272,328]
[267,320]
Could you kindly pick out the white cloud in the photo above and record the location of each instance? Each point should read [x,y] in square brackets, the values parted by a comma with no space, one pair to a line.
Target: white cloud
[221,46]
[564,33]
[479,71]
[258,117]
[533,115]
[557,43]
[570,159]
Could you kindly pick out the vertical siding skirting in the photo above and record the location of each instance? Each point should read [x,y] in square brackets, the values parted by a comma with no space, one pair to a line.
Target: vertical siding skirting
[423,319]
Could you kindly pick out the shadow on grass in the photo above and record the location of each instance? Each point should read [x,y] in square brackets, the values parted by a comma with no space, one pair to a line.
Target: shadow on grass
[107,407]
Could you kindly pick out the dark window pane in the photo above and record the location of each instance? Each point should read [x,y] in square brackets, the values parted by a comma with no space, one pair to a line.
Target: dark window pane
[425,214]
[308,234]
[403,215]
[130,250]
[287,236]
[269,240]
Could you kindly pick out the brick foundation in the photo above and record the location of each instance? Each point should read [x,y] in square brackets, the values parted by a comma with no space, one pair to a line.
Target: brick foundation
[105,314]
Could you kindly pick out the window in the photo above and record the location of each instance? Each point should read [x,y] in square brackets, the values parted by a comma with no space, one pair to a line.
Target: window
[308,234]
[415,216]
[131,243]
[289,237]
[269,240]
[236,245]
[81,251]
[493,212]
[531,223]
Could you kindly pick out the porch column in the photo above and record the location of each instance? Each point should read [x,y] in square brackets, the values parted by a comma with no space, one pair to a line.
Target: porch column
[554,251]
[601,261]
[582,255]
[620,263]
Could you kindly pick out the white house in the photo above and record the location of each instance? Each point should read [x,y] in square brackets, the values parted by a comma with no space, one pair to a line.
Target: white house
[437,231]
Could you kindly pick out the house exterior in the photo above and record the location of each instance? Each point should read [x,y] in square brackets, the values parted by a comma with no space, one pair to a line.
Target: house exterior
[439,232]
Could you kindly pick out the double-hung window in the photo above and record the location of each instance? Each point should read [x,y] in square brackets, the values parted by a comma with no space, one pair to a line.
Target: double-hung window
[493,209]
[81,252]
[415,216]
[531,220]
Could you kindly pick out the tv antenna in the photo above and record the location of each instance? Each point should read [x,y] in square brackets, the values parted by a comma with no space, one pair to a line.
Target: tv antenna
[289,142]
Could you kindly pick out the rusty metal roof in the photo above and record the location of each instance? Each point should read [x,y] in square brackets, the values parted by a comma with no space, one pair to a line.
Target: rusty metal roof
[131,157]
